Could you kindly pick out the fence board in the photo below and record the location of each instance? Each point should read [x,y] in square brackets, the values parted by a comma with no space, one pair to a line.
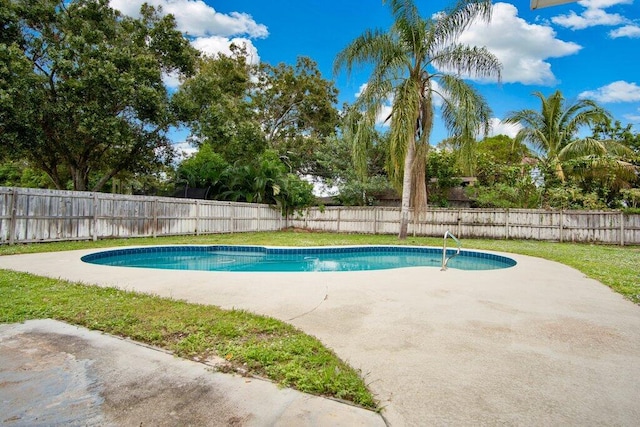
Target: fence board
[610,227]
[33,215]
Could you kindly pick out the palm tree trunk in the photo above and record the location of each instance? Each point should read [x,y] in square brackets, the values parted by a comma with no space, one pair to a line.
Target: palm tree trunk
[559,171]
[406,190]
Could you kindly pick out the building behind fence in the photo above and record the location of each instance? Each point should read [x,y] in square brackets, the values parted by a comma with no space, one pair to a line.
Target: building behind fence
[33,215]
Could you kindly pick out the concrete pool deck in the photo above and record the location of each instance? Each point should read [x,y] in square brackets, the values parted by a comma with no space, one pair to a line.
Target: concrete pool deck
[537,343]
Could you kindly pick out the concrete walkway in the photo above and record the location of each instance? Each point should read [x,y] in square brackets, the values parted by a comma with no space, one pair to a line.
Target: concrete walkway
[54,374]
[536,344]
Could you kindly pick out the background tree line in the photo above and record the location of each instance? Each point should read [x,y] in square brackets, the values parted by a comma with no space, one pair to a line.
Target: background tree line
[83,106]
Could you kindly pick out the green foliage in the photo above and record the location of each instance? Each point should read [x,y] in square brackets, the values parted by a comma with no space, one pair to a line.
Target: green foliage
[259,181]
[295,195]
[295,109]
[83,88]
[524,194]
[18,173]
[266,179]
[504,176]
[205,168]
[579,172]
[214,104]
[444,175]
[361,185]
[364,193]
[553,134]
[503,150]
[631,197]
[616,132]
[407,61]
[288,110]
[571,197]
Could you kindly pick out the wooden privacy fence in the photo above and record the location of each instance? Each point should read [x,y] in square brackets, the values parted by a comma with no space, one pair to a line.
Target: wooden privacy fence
[611,227]
[33,215]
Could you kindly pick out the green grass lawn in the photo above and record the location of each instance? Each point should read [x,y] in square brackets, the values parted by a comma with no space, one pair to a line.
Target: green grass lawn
[250,343]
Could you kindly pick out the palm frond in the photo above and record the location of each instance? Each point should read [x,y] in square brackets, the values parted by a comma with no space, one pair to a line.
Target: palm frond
[450,24]
[469,61]
[467,116]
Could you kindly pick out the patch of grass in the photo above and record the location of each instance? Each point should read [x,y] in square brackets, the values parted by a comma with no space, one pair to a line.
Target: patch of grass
[249,343]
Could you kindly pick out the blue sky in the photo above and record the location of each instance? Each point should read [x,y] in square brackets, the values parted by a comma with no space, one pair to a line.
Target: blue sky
[584,49]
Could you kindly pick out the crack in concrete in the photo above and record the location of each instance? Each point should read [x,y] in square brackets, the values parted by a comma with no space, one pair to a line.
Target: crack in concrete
[326,296]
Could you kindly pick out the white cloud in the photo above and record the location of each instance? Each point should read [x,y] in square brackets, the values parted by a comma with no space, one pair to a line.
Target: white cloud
[588,18]
[633,118]
[211,32]
[631,31]
[602,4]
[196,18]
[522,48]
[594,15]
[361,89]
[498,127]
[171,80]
[619,91]
[184,150]
[215,44]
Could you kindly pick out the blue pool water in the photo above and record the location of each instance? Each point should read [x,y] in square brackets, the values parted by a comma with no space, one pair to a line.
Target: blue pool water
[258,258]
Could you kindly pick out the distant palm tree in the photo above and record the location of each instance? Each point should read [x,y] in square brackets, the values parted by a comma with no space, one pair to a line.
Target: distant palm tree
[553,131]
[414,61]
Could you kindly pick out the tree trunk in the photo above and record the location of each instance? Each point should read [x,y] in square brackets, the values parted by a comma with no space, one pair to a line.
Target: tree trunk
[406,190]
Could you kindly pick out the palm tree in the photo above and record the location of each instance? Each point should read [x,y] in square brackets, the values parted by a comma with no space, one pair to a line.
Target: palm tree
[414,61]
[553,135]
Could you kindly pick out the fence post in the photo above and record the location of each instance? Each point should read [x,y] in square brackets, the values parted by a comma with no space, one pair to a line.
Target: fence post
[197,217]
[506,226]
[258,208]
[621,228]
[375,219]
[14,213]
[561,223]
[338,224]
[459,225]
[95,216]
[155,218]
[231,215]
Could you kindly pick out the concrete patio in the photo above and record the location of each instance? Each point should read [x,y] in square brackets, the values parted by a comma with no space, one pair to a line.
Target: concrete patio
[537,343]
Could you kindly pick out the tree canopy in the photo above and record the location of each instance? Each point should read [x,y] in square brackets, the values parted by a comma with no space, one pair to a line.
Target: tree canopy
[81,88]
[407,61]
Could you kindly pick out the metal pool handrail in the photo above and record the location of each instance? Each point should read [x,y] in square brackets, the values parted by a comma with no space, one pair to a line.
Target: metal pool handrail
[445,260]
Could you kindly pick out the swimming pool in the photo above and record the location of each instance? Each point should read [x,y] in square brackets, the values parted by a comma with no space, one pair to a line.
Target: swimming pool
[317,259]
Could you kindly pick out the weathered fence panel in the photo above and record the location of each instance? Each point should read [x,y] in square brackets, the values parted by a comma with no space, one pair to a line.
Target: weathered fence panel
[611,227]
[34,215]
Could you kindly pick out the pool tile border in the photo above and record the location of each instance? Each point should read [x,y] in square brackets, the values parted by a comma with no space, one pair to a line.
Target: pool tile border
[90,258]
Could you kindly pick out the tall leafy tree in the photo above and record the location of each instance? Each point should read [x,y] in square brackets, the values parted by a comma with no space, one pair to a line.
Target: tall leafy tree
[214,104]
[553,133]
[83,88]
[414,61]
[295,106]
